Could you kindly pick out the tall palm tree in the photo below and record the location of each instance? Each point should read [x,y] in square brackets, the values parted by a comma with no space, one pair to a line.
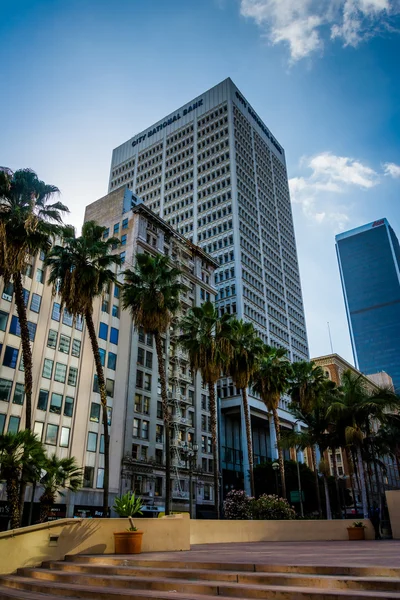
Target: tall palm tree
[247,350]
[21,454]
[151,293]
[207,339]
[354,410]
[271,381]
[61,474]
[387,438]
[29,221]
[81,270]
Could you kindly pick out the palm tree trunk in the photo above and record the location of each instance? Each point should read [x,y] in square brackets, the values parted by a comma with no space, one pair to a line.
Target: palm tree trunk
[26,347]
[247,418]
[280,451]
[214,438]
[335,475]
[13,502]
[362,482]
[397,457]
[167,420]
[327,499]
[317,490]
[103,399]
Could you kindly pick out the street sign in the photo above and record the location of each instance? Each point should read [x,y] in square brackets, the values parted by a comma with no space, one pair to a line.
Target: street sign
[295,497]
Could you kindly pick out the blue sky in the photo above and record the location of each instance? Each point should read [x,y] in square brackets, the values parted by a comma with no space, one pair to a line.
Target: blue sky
[79,78]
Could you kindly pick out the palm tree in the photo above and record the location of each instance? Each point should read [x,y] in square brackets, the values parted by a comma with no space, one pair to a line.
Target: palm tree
[29,222]
[207,339]
[387,438]
[151,293]
[21,454]
[81,270]
[247,349]
[354,410]
[271,381]
[61,473]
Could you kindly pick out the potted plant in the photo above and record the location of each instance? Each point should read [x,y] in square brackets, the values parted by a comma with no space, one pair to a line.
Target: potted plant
[129,541]
[356,531]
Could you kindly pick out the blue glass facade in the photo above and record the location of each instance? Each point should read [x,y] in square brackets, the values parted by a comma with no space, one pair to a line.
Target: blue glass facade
[369,262]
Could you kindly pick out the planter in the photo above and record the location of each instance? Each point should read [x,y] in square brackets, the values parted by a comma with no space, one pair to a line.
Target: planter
[128,542]
[356,533]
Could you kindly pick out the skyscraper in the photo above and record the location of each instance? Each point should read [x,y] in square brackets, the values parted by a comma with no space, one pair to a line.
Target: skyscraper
[369,263]
[215,173]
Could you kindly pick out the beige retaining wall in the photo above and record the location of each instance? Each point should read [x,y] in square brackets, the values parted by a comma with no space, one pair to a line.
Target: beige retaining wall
[393,502]
[214,532]
[30,546]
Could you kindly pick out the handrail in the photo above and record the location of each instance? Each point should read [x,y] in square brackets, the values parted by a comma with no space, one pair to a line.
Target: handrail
[38,527]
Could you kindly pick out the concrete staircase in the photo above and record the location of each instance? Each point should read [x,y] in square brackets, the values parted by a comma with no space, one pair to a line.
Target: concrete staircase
[137,578]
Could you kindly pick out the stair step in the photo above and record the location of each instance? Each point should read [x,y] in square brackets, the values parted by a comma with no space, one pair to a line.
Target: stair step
[264,578]
[225,590]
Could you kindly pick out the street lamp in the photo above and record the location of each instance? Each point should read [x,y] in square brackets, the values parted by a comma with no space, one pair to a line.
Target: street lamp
[275,467]
[191,458]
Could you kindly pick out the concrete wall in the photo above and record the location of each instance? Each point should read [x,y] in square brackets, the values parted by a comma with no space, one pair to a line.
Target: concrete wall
[52,541]
[393,502]
[214,532]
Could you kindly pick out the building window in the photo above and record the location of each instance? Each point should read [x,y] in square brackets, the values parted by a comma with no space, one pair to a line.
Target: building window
[43,399]
[149,360]
[116,228]
[96,388]
[110,387]
[146,405]
[140,356]
[10,357]
[64,437]
[60,373]
[136,427]
[145,430]
[13,425]
[19,393]
[122,256]
[3,320]
[139,379]
[72,376]
[159,410]
[51,434]
[88,475]
[64,344]
[95,412]
[115,311]
[135,450]
[68,406]
[100,479]
[117,291]
[47,368]
[125,224]
[76,348]
[159,434]
[5,390]
[112,361]
[138,403]
[159,456]
[55,315]
[207,491]
[101,448]
[79,322]
[143,453]
[39,275]
[105,306]
[56,403]
[123,239]
[36,302]
[102,354]
[68,319]
[38,429]
[158,486]
[2,422]
[106,233]
[147,382]
[91,442]
[52,339]
[103,331]
[114,335]
[8,292]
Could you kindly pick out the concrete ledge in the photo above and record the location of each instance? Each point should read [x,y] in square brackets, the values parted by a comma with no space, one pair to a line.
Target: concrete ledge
[393,502]
[217,532]
[30,546]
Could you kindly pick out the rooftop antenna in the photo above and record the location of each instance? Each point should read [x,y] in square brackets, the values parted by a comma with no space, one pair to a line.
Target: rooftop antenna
[330,337]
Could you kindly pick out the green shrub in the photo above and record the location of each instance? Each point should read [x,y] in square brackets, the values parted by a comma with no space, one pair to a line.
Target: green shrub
[270,507]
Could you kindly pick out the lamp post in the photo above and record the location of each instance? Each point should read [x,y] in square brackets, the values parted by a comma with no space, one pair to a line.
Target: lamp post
[191,458]
[275,467]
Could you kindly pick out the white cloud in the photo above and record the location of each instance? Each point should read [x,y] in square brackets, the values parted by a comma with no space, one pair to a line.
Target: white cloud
[330,176]
[303,24]
[392,169]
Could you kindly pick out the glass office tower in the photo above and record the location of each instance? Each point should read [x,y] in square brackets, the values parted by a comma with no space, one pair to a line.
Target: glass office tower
[369,263]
